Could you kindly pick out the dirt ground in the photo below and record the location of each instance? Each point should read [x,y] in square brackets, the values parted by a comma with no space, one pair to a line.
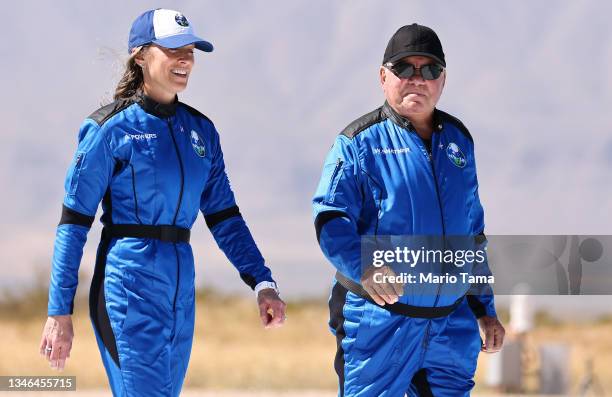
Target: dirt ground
[227,329]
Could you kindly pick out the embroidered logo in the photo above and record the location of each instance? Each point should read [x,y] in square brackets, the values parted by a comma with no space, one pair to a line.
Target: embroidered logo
[181,20]
[139,137]
[455,155]
[391,150]
[198,145]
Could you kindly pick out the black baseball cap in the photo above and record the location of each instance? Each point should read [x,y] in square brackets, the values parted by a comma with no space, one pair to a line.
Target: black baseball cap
[414,39]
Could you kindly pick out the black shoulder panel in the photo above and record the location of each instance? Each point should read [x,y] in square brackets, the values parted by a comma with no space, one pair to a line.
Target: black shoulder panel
[455,121]
[195,112]
[103,114]
[363,122]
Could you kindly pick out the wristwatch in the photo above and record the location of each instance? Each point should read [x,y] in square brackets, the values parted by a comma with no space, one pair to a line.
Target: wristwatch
[264,285]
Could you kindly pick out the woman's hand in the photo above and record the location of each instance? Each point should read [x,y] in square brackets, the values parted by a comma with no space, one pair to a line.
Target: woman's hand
[271,308]
[56,340]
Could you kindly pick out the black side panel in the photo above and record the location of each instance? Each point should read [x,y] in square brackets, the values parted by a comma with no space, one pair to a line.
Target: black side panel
[107,209]
[218,217]
[70,216]
[97,302]
[363,122]
[419,380]
[101,115]
[336,322]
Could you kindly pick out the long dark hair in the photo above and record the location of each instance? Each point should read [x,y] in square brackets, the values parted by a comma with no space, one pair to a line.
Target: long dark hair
[132,80]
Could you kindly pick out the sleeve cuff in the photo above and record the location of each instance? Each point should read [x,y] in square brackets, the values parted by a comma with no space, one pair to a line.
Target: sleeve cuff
[59,312]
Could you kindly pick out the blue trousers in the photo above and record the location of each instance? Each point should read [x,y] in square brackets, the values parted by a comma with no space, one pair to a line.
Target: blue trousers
[381,354]
[142,306]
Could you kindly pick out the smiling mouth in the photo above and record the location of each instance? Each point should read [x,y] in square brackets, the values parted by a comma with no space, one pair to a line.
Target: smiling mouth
[179,72]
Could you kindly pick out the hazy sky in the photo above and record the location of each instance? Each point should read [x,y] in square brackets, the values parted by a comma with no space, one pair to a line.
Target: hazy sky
[531,80]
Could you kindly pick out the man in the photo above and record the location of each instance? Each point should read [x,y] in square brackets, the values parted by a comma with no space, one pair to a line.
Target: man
[406,168]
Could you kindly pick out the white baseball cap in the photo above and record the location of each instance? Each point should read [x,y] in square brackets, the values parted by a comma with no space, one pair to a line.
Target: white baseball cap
[167,28]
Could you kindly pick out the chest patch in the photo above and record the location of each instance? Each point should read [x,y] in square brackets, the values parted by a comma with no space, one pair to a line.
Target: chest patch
[198,145]
[455,155]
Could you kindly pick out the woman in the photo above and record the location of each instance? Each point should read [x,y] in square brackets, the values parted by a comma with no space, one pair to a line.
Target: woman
[153,162]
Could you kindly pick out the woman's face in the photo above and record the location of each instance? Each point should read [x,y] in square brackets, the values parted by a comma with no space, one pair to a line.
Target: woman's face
[165,70]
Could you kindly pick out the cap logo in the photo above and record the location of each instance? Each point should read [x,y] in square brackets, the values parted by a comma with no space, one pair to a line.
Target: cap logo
[455,155]
[181,20]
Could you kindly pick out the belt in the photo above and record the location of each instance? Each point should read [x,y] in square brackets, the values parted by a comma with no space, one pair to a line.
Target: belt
[399,308]
[168,233]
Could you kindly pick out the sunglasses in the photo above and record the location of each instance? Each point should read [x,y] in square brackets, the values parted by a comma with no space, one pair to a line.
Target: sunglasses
[405,70]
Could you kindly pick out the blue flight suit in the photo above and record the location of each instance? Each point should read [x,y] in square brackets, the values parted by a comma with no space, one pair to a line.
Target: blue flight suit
[154,167]
[381,179]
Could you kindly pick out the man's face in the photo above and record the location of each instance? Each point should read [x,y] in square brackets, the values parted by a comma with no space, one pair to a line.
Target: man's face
[413,96]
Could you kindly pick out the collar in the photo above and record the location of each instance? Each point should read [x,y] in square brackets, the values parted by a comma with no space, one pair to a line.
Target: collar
[149,105]
[438,123]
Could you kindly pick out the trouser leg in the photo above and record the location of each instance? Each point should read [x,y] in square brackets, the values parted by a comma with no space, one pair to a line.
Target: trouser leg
[386,355]
[134,320]
[182,341]
[113,372]
[450,359]
[378,352]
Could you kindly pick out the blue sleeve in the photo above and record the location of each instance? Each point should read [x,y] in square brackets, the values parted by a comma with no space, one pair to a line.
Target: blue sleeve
[226,224]
[86,182]
[481,301]
[337,206]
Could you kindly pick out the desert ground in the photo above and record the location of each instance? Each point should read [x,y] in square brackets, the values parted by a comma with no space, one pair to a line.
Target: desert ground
[295,360]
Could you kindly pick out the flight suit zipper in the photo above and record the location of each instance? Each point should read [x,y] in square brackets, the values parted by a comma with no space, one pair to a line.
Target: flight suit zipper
[430,160]
[433,171]
[178,155]
[333,182]
[178,206]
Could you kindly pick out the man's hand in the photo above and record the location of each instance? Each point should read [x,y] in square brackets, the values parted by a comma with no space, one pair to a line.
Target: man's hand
[494,334]
[382,292]
[56,340]
[271,308]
